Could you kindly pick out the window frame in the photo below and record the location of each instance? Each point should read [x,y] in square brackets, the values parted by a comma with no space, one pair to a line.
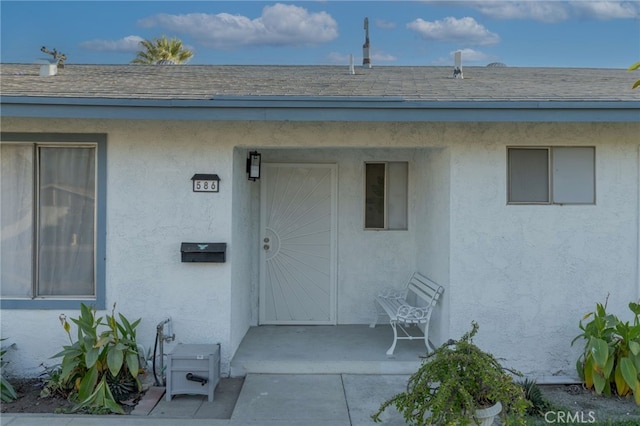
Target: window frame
[386,197]
[99,141]
[550,175]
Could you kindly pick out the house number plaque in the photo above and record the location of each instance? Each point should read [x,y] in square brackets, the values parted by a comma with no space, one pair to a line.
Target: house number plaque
[205,183]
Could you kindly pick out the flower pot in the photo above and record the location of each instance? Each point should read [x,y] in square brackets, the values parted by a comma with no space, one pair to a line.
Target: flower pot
[486,415]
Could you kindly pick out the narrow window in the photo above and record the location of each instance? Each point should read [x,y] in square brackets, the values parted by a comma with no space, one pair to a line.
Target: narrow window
[551,175]
[386,195]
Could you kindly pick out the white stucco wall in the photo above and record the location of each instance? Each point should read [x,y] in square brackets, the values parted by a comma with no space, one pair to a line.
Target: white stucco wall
[432,188]
[151,209]
[244,265]
[527,274]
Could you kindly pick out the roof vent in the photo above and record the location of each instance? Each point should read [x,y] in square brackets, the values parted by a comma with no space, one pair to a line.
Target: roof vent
[366,60]
[48,67]
[457,70]
[352,71]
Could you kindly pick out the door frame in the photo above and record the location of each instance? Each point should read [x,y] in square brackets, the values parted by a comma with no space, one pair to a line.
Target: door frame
[333,288]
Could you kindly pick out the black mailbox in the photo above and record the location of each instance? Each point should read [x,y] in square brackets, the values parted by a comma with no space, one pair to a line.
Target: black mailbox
[204,252]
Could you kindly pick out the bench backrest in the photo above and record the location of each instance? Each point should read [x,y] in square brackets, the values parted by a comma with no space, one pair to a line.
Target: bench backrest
[424,289]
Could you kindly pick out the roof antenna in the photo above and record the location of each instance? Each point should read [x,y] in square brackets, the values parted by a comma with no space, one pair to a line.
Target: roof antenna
[49,67]
[366,60]
[457,70]
[58,57]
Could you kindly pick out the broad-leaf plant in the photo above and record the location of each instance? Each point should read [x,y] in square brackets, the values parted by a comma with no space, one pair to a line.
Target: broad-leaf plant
[101,362]
[7,391]
[610,362]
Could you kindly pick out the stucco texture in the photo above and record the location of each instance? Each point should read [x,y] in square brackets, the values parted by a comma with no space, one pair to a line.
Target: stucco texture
[525,273]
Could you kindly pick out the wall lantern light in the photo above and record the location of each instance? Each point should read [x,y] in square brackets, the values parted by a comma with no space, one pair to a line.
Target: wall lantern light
[253,165]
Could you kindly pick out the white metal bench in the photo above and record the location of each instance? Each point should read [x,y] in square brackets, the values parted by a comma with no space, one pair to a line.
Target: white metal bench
[401,313]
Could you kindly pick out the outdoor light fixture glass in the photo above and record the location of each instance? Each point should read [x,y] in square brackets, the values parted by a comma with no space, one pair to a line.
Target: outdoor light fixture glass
[253,165]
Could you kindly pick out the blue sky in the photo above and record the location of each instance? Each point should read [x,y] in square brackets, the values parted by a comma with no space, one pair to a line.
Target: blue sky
[584,33]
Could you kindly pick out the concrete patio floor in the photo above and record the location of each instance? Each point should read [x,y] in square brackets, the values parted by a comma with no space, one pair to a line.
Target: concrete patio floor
[284,375]
[341,349]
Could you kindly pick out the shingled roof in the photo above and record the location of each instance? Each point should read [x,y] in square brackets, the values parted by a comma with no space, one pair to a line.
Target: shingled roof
[205,82]
[319,93]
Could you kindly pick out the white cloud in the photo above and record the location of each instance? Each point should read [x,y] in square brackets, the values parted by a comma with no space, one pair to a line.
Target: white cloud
[340,58]
[553,11]
[279,24]
[472,56]
[126,44]
[385,25]
[465,30]
[377,57]
[545,11]
[604,10]
[469,57]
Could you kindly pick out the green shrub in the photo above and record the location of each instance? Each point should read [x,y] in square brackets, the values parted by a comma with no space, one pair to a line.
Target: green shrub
[103,356]
[610,362]
[533,394]
[7,392]
[453,382]
[53,385]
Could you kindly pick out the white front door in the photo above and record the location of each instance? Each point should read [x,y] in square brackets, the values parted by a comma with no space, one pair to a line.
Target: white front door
[297,237]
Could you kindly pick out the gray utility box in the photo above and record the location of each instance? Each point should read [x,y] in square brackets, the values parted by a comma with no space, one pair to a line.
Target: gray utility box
[193,370]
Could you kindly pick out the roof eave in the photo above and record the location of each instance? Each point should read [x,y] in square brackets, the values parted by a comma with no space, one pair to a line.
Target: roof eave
[295,108]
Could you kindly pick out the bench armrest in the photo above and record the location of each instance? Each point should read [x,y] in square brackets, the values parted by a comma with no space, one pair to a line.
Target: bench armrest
[412,313]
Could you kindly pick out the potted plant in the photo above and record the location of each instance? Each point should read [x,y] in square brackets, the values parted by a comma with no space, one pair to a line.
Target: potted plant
[458,384]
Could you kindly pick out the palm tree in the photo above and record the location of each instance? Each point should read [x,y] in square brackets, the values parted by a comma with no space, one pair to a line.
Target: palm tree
[162,51]
[635,67]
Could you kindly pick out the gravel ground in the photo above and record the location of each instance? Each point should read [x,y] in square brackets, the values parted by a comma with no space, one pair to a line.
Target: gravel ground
[585,406]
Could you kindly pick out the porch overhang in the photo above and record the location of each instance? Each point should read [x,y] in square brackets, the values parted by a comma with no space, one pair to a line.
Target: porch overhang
[314,109]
